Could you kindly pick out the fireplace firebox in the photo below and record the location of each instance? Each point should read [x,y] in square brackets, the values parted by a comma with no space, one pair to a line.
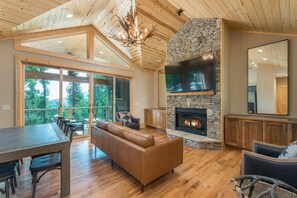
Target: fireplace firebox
[192,120]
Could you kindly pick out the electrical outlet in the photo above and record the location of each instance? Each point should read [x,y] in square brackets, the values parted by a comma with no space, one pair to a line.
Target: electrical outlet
[6,107]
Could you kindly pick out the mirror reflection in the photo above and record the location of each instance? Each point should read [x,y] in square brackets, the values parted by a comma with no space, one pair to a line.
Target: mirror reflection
[268,79]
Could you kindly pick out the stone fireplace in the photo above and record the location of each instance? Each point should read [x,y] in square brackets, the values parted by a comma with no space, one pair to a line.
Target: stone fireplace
[195,38]
[192,120]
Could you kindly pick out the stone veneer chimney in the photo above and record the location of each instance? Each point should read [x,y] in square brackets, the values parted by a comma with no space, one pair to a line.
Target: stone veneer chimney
[195,38]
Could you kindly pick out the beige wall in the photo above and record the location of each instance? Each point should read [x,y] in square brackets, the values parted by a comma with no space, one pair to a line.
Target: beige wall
[239,43]
[226,69]
[144,93]
[143,86]
[6,83]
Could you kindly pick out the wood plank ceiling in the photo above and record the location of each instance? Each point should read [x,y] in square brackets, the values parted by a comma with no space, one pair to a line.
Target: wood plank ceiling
[277,16]
[13,13]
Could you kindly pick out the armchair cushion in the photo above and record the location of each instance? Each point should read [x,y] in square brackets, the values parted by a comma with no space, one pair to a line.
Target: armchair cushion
[290,151]
[132,125]
[267,149]
[125,116]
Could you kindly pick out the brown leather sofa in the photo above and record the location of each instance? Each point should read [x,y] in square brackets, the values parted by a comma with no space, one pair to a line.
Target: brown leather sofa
[140,154]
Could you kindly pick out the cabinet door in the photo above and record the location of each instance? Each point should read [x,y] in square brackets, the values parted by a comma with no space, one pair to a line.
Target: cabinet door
[251,130]
[294,132]
[149,119]
[276,133]
[233,132]
[160,119]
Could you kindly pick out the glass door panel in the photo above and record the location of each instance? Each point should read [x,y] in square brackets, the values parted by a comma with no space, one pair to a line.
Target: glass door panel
[76,98]
[122,94]
[103,97]
[41,94]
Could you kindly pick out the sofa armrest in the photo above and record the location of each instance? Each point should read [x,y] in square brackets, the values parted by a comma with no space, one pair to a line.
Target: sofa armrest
[161,158]
[282,169]
[267,149]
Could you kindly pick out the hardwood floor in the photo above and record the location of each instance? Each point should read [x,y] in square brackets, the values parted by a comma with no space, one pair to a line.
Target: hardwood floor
[204,173]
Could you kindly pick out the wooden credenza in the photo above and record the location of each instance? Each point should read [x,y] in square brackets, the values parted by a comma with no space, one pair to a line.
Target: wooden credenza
[241,130]
[155,118]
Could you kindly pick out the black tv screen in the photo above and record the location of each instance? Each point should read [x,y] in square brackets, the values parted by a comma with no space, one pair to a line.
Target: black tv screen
[192,75]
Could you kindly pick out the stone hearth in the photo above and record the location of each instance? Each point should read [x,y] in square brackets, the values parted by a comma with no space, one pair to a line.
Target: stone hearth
[194,140]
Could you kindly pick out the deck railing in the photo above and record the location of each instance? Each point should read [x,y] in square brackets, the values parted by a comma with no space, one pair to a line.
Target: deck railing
[45,115]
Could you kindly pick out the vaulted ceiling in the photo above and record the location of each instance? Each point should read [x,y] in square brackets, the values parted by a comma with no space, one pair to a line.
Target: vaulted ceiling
[20,17]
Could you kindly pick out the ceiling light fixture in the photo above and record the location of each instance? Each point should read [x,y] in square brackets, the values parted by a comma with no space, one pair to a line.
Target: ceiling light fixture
[260,50]
[59,42]
[134,33]
[265,59]
[69,15]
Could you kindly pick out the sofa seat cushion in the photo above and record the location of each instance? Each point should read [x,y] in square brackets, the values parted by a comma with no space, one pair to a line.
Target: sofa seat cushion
[141,139]
[115,129]
[102,124]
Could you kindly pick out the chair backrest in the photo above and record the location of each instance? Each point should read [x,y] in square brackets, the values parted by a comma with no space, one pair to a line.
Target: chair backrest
[118,117]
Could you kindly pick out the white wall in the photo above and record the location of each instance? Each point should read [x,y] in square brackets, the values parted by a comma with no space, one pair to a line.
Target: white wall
[143,83]
[144,93]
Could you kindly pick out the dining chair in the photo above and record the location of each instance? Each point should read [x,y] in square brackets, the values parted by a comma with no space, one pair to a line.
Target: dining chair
[7,175]
[45,163]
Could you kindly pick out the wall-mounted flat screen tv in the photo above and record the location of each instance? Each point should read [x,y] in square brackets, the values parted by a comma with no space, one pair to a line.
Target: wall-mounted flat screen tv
[197,74]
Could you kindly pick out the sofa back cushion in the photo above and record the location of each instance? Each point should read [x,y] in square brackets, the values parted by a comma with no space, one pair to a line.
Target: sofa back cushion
[102,124]
[141,139]
[115,129]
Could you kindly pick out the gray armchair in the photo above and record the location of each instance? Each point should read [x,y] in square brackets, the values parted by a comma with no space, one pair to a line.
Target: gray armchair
[129,121]
[264,161]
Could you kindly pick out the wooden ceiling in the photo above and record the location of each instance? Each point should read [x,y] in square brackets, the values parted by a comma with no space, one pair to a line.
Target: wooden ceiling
[13,13]
[277,16]
[20,17]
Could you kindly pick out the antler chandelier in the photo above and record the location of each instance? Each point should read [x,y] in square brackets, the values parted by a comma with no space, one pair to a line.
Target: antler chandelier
[134,33]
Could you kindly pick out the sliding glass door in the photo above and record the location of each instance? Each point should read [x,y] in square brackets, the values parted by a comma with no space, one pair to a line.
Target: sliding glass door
[76,95]
[103,97]
[76,98]
[41,93]
[122,94]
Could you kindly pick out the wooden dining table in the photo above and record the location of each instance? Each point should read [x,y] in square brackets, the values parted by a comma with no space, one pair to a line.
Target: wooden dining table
[20,142]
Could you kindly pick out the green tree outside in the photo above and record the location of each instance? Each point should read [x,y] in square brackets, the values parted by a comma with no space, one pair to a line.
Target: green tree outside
[36,99]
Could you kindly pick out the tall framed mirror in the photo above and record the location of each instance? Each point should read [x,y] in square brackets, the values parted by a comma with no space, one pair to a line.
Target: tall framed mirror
[268,79]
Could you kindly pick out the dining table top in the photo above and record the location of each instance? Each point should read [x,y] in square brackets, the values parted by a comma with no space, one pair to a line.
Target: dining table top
[20,138]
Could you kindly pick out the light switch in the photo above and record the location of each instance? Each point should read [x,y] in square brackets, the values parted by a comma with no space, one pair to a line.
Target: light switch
[6,107]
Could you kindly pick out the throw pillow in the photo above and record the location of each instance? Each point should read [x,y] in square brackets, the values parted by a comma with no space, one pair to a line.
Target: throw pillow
[290,151]
[125,116]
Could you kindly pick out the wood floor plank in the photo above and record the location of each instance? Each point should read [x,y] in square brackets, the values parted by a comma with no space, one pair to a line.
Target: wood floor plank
[204,173]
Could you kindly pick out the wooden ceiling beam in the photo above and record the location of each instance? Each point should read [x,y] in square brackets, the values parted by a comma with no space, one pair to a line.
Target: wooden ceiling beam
[54,33]
[113,47]
[159,22]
